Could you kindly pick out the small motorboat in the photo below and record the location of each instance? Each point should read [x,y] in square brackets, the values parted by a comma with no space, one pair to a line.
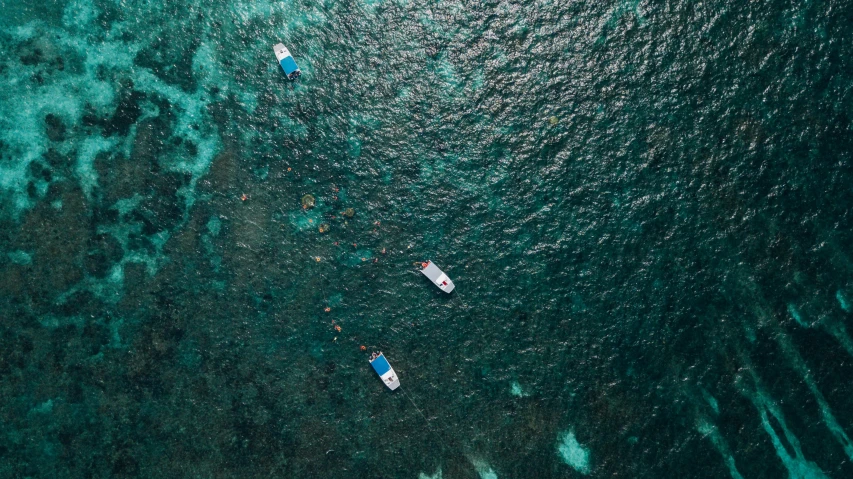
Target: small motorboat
[288,64]
[437,276]
[384,370]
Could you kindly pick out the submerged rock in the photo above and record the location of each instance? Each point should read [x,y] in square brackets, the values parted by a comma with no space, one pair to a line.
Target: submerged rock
[554,120]
[308,201]
[349,212]
[324,227]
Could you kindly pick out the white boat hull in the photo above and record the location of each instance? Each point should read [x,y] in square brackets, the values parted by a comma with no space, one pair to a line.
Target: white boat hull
[437,276]
[385,371]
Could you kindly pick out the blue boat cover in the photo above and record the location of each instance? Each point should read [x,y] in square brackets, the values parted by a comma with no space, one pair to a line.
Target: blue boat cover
[289,65]
[380,365]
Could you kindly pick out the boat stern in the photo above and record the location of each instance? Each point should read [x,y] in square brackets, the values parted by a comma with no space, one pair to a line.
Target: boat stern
[390,379]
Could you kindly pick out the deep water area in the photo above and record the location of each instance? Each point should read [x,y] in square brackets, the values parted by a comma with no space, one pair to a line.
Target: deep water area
[646,208]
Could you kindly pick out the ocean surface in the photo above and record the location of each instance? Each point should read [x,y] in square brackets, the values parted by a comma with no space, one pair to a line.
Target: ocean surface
[646,207]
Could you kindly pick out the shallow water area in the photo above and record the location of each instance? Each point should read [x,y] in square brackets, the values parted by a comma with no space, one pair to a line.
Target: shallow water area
[645,209]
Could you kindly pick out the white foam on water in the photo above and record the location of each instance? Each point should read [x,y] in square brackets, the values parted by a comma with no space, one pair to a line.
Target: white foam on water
[710,431]
[573,453]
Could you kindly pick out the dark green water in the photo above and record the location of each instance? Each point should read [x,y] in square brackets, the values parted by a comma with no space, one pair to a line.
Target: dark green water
[646,208]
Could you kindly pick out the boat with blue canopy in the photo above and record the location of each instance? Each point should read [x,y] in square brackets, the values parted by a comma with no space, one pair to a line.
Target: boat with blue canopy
[384,370]
[288,64]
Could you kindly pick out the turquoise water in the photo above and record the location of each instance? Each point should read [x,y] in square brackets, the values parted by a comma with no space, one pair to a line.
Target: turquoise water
[646,209]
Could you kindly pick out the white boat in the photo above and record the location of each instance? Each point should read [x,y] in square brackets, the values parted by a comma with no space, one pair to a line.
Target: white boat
[384,370]
[288,64]
[437,276]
